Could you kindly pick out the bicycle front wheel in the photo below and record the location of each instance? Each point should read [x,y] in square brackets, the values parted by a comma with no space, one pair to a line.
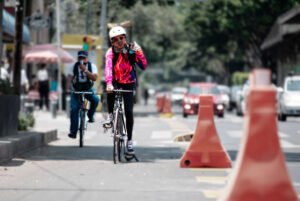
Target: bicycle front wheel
[82,127]
[117,142]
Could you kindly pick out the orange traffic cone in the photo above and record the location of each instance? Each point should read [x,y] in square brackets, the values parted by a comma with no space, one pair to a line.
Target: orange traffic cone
[166,111]
[205,149]
[260,172]
[159,102]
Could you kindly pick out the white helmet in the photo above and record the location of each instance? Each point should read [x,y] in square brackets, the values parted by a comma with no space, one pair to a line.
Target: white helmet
[116,31]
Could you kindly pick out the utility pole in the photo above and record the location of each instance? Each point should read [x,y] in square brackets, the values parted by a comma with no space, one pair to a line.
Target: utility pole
[1,29]
[58,43]
[88,17]
[103,30]
[18,45]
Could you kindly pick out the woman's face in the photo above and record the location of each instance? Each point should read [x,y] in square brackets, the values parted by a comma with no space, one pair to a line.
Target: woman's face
[119,41]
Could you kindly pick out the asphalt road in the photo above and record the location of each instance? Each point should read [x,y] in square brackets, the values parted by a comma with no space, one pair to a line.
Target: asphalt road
[63,171]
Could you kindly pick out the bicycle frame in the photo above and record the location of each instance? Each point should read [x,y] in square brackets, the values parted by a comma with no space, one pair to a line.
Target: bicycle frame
[82,114]
[119,129]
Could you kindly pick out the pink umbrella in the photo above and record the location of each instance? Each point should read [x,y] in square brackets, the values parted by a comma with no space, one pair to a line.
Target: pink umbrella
[47,53]
[41,57]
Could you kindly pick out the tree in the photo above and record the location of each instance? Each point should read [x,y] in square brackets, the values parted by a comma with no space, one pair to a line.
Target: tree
[232,29]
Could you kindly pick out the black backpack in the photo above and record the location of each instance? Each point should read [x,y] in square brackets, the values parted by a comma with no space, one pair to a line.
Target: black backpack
[81,86]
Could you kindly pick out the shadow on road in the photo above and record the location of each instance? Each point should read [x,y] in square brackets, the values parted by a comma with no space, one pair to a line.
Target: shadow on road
[144,154]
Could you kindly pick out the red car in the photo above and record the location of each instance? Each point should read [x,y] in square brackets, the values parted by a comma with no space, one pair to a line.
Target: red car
[190,103]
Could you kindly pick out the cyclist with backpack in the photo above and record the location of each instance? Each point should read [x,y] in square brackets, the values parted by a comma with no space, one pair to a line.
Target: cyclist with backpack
[84,75]
[121,60]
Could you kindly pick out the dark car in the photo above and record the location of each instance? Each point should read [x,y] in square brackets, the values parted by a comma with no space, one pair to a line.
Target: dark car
[190,103]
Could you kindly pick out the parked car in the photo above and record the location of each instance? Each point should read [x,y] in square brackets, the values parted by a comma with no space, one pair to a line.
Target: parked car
[289,98]
[190,103]
[233,96]
[177,95]
[225,91]
[241,98]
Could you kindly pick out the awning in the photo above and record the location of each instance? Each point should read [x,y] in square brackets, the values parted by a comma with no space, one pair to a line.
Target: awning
[8,25]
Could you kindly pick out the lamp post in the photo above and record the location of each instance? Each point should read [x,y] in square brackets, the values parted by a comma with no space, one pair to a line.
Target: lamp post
[18,46]
[58,43]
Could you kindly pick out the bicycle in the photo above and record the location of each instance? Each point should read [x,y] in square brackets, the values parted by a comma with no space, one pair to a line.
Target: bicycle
[84,107]
[119,131]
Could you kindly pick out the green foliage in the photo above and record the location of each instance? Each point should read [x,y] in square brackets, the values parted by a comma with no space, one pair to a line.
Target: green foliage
[161,34]
[26,120]
[176,35]
[238,78]
[232,29]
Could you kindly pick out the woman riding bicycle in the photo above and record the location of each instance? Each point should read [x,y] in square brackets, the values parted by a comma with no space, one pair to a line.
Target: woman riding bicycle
[120,73]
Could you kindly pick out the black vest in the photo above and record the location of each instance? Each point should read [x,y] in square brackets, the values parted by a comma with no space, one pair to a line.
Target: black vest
[81,86]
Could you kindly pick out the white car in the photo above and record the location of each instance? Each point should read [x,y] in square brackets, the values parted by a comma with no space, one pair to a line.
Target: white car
[289,98]
[177,95]
[225,91]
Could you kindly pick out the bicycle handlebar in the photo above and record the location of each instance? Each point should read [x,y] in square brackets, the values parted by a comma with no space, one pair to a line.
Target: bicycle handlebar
[82,92]
[119,90]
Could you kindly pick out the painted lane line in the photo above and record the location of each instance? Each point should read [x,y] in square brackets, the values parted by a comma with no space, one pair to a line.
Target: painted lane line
[212,194]
[283,135]
[239,134]
[161,135]
[212,180]
[224,170]
[286,144]
[235,133]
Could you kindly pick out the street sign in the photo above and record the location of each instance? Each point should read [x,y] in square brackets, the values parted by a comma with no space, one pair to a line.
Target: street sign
[38,21]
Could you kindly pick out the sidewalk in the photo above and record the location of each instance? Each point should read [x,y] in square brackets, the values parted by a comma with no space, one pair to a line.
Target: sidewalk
[24,141]
[48,129]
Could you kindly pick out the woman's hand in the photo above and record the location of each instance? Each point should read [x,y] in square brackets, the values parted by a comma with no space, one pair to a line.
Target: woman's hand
[109,88]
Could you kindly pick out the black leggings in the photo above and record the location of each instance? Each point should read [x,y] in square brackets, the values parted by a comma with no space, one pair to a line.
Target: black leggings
[128,105]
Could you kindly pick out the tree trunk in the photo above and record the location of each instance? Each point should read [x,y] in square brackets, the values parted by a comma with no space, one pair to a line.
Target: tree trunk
[1,30]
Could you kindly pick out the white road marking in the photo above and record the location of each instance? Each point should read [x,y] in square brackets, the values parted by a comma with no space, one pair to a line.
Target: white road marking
[211,180]
[235,133]
[161,135]
[286,144]
[296,184]
[283,135]
[239,134]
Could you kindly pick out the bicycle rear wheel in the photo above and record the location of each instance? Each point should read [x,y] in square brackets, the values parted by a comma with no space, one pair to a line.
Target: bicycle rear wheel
[82,127]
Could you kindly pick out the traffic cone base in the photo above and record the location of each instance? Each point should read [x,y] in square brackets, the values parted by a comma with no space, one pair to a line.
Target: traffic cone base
[212,159]
[205,149]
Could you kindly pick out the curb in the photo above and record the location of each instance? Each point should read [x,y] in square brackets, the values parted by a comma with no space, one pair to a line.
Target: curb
[11,146]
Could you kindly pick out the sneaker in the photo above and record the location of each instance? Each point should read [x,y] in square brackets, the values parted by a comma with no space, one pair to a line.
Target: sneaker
[72,135]
[130,149]
[108,120]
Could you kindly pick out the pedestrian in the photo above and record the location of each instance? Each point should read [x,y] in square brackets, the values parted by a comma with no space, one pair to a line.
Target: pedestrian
[4,75]
[120,74]
[146,95]
[84,74]
[24,82]
[43,86]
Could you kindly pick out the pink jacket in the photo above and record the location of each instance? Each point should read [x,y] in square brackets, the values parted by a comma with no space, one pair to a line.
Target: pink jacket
[123,71]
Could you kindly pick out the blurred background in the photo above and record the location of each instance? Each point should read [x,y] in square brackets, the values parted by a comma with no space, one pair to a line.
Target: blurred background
[185,42]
